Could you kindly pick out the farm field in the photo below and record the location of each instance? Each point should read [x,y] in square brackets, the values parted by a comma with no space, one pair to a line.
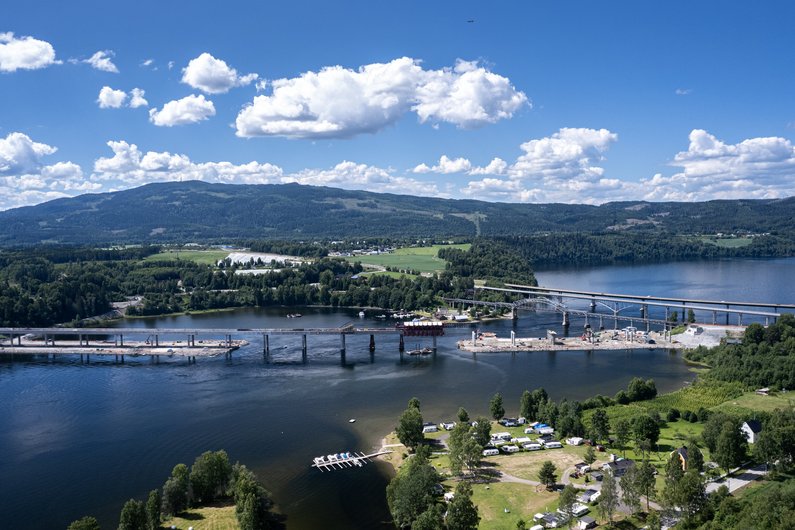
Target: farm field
[751,401]
[422,259]
[734,242]
[204,257]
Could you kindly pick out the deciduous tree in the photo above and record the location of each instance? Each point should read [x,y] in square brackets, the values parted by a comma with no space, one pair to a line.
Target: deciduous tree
[496,407]
[462,514]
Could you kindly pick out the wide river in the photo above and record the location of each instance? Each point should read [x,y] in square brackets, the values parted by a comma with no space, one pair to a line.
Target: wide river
[80,439]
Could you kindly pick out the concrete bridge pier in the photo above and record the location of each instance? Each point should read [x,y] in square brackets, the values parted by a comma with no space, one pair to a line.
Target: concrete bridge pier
[372,343]
[566,319]
[513,338]
[434,344]
[266,348]
[401,346]
[303,348]
[601,324]
[593,305]
[342,344]
[121,340]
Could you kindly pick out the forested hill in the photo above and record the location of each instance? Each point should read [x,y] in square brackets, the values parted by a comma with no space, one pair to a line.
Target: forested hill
[198,211]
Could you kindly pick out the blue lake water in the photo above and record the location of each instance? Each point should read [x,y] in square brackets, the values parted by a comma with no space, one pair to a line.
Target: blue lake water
[81,439]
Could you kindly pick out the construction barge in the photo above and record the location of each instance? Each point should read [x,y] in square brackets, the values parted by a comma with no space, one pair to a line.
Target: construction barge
[612,340]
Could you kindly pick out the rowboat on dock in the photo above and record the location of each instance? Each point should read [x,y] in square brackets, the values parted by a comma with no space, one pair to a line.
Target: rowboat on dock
[344,460]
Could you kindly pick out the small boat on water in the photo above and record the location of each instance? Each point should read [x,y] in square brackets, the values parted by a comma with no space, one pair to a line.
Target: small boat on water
[294,315]
[361,314]
[420,351]
[352,420]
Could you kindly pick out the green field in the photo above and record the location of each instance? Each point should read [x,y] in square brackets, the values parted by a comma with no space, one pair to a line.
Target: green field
[750,401]
[204,257]
[734,242]
[422,259]
[207,518]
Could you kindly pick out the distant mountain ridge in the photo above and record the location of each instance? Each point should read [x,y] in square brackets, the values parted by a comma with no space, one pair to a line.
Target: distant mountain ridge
[200,211]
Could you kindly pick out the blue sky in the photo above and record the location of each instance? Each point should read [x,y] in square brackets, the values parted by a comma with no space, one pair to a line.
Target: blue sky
[583,102]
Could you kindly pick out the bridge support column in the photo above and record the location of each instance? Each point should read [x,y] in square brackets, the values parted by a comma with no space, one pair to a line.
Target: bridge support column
[593,305]
[601,324]
[715,318]
[266,348]
[727,315]
[122,358]
[342,343]
[513,338]
[514,314]
[79,339]
[434,344]
[566,319]
[121,340]
[157,341]
[303,349]
[401,345]
[739,319]
[372,343]
[474,337]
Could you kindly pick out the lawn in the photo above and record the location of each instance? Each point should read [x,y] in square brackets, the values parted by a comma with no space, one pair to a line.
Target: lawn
[203,257]
[422,259]
[522,502]
[221,517]
[751,401]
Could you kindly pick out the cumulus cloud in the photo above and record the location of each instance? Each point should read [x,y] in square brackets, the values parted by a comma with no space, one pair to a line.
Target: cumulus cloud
[102,60]
[26,179]
[190,109]
[712,169]
[130,166]
[683,91]
[147,63]
[350,175]
[213,76]
[563,167]
[338,102]
[110,98]
[137,98]
[445,166]
[24,53]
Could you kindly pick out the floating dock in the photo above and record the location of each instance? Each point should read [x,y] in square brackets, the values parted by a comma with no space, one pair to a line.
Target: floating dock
[344,460]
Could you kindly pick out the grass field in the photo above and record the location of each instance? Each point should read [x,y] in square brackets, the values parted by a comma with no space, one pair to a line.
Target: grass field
[204,257]
[734,242]
[750,401]
[207,518]
[422,259]
[521,501]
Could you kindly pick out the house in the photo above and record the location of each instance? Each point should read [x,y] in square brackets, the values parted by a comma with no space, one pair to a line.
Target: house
[751,430]
[448,425]
[449,496]
[579,509]
[582,467]
[587,496]
[550,520]
[429,427]
[584,523]
[574,440]
[682,454]
[619,467]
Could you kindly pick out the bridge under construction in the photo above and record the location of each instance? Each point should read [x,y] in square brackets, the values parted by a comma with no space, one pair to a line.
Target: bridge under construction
[615,307]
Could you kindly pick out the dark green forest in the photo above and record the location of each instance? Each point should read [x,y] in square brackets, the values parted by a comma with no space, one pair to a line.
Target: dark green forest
[71,284]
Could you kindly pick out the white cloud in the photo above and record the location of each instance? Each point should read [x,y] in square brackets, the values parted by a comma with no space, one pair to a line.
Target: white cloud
[25,53]
[101,60]
[757,168]
[350,175]
[338,102]
[563,167]
[19,154]
[213,76]
[446,166]
[110,98]
[190,109]
[147,62]
[25,179]
[131,167]
[467,95]
[137,98]
[683,91]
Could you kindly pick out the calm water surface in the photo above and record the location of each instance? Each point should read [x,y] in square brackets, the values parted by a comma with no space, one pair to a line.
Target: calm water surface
[81,439]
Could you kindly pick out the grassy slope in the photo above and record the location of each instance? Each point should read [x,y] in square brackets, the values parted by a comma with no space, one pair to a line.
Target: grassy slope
[422,259]
[207,518]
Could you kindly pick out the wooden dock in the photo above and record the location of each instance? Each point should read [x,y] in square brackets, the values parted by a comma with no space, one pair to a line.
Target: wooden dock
[354,460]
